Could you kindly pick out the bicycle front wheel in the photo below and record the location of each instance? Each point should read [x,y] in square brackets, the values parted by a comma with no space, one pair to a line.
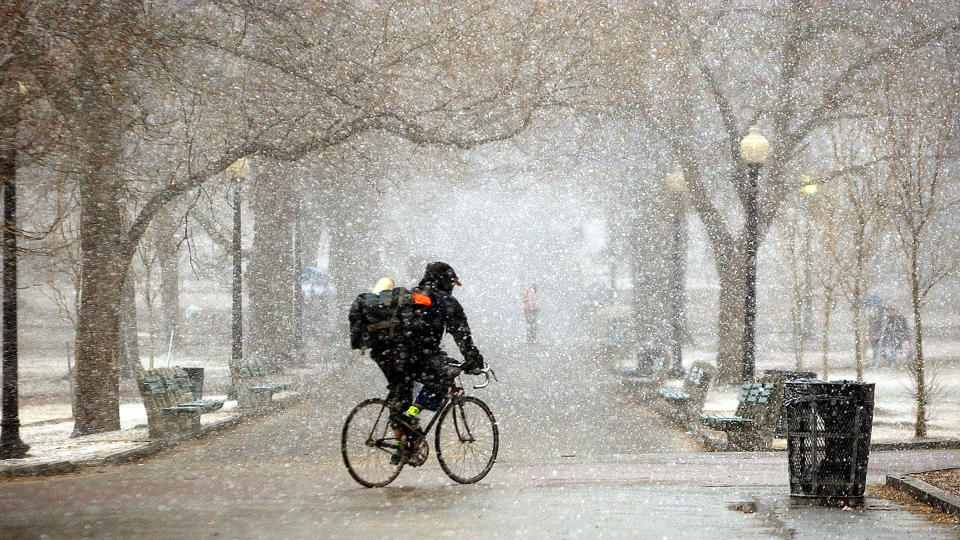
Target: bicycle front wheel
[368,444]
[467,440]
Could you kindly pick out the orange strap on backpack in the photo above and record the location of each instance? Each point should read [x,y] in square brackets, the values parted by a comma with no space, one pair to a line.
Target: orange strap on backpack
[422,299]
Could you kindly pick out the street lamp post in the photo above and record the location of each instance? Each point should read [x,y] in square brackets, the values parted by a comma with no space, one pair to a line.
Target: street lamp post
[754,149]
[677,185]
[238,172]
[809,189]
[11,446]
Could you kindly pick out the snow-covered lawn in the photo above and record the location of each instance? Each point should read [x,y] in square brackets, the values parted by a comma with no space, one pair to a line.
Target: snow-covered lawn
[894,406]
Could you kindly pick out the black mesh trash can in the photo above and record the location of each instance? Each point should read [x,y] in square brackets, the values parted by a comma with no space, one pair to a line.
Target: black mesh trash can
[195,374]
[828,437]
[780,376]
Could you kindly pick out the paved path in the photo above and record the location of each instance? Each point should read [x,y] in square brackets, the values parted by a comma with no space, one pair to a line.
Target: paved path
[280,477]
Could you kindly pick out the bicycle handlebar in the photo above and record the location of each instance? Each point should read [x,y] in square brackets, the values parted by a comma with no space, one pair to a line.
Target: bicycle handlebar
[486,372]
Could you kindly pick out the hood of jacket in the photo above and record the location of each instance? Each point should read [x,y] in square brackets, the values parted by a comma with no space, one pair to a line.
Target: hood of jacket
[439,276]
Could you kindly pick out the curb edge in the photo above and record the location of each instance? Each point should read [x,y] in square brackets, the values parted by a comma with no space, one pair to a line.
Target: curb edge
[925,492]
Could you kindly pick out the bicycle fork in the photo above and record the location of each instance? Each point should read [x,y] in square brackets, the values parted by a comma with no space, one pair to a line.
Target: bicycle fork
[462,422]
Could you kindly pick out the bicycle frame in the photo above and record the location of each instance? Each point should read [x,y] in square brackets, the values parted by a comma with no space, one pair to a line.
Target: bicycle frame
[454,396]
[456,391]
[465,428]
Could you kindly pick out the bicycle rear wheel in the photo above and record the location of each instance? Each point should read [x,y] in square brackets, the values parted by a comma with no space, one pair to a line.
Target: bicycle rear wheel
[367,444]
[467,440]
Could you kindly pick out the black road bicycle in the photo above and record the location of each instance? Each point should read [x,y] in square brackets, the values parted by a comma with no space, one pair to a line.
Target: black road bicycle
[466,439]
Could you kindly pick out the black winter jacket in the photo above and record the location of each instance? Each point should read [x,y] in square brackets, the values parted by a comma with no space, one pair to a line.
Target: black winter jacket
[445,315]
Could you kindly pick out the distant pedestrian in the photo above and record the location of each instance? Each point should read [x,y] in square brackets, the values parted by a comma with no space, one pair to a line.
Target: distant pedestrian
[889,332]
[895,336]
[877,329]
[530,312]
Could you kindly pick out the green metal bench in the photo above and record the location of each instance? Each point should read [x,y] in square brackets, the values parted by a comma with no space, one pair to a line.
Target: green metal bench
[778,377]
[254,391]
[172,409]
[751,427]
[652,376]
[690,398]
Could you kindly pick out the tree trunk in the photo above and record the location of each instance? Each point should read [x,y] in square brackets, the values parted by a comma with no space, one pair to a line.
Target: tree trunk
[98,319]
[168,255]
[858,349]
[297,282]
[271,331]
[130,346]
[828,304]
[920,427]
[730,319]
[857,309]
[103,258]
[796,319]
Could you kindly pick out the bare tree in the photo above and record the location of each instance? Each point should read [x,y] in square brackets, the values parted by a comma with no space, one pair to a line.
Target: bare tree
[811,63]
[920,135]
[863,215]
[794,231]
[279,81]
[828,234]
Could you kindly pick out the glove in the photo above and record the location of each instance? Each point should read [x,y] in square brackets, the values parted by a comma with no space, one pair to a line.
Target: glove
[474,364]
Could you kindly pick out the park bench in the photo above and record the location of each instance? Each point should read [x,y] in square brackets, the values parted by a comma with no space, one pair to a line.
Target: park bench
[648,373]
[172,409]
[254,391]
[751,427]
[689,399]
[778,377]
[651,374]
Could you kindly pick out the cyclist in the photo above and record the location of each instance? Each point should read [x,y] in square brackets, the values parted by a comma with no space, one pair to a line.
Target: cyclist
[428,364]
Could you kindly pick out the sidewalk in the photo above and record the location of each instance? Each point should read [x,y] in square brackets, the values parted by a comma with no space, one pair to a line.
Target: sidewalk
[895,459]
[707,495]
[701,495]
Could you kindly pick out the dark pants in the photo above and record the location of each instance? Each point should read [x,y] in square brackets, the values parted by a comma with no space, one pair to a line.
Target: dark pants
[434,372]
[395,368]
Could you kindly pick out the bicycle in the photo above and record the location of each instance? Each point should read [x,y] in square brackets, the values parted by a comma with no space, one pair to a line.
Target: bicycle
[466,439]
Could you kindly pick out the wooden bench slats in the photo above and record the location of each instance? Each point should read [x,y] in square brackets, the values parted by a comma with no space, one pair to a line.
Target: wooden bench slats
[277,385]
[204,406]
[673,394]
[270,387]
[172,409]
[626,371]
[253,391]
[748,426]
[690,398]
[727,423]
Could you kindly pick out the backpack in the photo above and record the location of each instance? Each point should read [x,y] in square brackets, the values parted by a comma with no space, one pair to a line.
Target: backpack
[384,316]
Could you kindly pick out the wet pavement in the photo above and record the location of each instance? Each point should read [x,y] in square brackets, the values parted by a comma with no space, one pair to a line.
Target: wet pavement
[578,459]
